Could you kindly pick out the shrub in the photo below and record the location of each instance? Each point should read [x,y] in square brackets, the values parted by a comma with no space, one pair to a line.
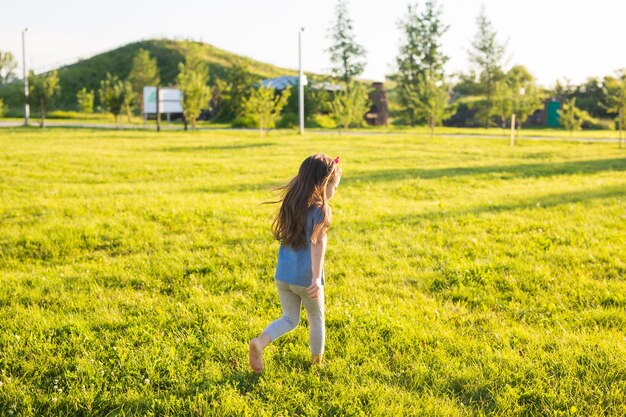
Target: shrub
[3,108]
[594,123]
[62,114]
[243,121]
[288,120]
[324,121]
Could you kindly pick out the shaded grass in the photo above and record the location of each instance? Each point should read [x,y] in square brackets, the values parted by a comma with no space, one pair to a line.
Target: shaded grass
[464,277]
[504,171]
[505,134]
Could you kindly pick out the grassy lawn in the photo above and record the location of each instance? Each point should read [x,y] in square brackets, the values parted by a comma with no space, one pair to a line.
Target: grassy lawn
[464,277]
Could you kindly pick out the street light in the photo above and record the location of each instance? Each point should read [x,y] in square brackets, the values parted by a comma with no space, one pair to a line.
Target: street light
[300,82]
[26,108]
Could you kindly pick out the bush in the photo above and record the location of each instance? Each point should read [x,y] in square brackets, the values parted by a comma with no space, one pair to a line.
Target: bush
[465,115]
[62,114]
[3,108]
[322,120]
[12,95]
[243,121]
[288,120]
[594,123]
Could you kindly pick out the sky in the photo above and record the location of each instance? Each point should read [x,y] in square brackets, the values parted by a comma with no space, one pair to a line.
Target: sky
[554,39]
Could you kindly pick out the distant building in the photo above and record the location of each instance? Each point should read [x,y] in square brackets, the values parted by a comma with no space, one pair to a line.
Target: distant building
[280,83]
[377,115]
[550,115]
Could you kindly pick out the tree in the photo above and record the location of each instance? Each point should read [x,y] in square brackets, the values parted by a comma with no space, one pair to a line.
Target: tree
[347,56]
[563,89]
[420,61]
[316,99]
[516,93]
[192,80]
[434,100]
[264,106]
[502,102]
[113,95]
[85,100]
[3,108]
[350,105]
[616,99]
[130,100]
[526,94]
[233,90]
[592,97]
[487,54]
[571,117]
[7,67]
[144,72]
[41,90]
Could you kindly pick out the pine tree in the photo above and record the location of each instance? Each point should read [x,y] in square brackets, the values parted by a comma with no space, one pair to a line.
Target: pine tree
[421,62]
[487,54]
[347,56]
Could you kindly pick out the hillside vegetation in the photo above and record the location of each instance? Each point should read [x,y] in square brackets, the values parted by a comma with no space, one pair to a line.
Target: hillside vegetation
[169,53]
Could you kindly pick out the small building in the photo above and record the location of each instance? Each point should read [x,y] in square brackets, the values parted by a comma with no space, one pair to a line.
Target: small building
[378,113]
[551,109]
[282,82]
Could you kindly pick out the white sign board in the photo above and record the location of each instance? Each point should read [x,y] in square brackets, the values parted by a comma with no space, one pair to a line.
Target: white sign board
[170,100]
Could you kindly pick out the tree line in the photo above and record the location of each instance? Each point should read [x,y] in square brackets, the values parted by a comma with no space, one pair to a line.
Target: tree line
[421,91]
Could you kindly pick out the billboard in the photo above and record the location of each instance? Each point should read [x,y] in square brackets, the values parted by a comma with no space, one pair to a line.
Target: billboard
[169,100]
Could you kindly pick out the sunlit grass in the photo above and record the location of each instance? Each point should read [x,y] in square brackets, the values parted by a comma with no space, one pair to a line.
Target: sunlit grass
[464,277]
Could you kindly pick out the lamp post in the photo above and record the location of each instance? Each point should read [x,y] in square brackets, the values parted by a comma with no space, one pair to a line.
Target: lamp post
[26,107]
[300,83]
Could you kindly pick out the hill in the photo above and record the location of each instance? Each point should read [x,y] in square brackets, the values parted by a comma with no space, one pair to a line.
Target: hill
[169,53]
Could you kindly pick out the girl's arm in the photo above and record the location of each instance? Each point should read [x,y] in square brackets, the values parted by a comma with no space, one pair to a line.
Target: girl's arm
[317,263]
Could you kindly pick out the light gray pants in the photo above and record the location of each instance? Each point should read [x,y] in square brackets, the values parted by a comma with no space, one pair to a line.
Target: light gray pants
[291,296]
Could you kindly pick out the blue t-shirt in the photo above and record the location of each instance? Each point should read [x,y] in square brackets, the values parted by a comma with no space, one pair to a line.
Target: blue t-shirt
[294,266]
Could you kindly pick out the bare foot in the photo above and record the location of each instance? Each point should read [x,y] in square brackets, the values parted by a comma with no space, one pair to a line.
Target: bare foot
[316,360]
[256,355]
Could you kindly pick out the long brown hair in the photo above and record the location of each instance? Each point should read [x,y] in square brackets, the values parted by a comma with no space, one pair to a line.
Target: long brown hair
[305,190]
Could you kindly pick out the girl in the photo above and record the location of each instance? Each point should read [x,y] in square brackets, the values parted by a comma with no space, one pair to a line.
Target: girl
[301,225]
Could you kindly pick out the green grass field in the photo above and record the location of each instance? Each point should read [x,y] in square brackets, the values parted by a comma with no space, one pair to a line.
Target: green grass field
[464,277]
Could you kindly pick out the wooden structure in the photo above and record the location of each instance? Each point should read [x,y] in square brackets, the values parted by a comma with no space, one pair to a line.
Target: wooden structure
[379,112]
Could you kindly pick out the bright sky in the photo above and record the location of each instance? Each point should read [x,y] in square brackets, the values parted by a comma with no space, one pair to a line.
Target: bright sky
[553,38]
